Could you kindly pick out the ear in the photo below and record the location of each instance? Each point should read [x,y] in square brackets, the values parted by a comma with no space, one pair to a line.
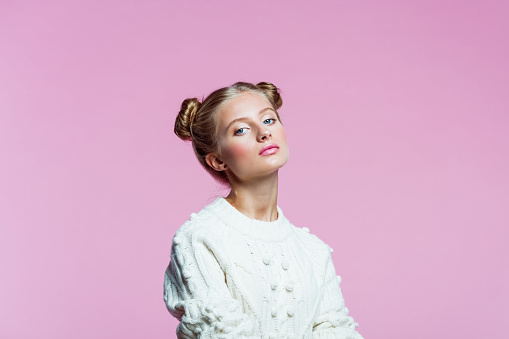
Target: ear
[215,162]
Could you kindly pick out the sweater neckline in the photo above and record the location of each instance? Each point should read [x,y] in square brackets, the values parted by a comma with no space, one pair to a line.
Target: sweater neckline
[276,230]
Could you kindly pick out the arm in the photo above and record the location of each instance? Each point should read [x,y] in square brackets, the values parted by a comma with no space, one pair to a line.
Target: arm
[196,293]
[333,320]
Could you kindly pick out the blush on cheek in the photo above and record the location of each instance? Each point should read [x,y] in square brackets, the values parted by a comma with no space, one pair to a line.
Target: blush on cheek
[238,151]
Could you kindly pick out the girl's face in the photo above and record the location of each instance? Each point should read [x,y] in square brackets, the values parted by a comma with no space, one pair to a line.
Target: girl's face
[245,126]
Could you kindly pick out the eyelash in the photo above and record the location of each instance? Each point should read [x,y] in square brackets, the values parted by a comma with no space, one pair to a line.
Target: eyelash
[245,127]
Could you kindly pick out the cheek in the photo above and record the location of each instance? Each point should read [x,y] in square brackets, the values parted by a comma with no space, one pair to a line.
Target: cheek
[238,151]
[282,134]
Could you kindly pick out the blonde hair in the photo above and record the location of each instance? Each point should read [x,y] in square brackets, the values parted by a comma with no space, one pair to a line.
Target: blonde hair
[197,121]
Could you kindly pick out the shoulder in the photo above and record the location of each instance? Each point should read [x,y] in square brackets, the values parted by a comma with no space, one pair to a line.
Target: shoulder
[309,240]
[200,225]
[315,249]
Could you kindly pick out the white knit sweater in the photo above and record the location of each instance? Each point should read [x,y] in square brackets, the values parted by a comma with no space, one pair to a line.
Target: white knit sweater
[231,276]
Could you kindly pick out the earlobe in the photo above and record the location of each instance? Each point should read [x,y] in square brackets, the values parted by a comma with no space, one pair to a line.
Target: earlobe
[215,163]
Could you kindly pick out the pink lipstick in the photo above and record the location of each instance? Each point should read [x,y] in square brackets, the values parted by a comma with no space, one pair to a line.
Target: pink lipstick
[269,149]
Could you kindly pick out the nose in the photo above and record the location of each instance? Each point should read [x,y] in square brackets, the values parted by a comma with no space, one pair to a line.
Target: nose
[264,134]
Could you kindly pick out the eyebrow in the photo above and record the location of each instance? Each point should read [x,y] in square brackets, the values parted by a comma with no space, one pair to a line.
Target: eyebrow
[243,118]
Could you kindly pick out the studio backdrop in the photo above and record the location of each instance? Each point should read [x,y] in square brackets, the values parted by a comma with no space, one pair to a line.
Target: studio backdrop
[396,114]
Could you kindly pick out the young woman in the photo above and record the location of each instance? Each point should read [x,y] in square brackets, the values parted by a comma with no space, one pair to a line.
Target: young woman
[239,268]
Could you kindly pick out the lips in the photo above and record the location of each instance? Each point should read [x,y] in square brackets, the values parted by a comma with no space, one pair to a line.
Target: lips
[269,149]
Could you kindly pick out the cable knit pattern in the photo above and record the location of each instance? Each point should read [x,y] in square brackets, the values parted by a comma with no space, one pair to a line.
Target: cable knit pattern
[231,276]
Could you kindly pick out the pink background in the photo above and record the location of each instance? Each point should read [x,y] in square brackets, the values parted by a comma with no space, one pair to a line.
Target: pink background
[397,119]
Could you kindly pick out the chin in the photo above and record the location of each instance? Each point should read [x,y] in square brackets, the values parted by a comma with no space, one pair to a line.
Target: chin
[280,165]
[285,159]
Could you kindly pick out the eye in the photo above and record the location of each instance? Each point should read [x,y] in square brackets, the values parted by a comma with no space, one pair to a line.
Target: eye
[240,129]
[269,119]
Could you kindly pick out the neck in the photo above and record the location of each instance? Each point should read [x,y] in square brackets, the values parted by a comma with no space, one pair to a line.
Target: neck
[256,198]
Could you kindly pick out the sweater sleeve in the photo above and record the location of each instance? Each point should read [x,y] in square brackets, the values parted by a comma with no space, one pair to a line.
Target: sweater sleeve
[196,293]
[333,320]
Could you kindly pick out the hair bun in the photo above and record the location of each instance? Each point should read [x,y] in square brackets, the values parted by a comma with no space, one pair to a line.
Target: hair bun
[272,92]
[185,118]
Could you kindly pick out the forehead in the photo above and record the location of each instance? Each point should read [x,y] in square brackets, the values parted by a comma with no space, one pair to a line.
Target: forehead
[247,104]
